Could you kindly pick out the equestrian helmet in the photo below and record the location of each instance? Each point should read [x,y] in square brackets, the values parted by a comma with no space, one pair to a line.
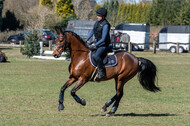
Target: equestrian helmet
[101,12]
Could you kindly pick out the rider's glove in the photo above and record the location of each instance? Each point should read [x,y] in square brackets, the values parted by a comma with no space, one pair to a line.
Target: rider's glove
[88,42]
[92,46]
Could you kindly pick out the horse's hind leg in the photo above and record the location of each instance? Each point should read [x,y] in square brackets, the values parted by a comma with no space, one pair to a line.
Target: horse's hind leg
[61,95]
[79,84]
[119,94]
[108,103]
[116,98]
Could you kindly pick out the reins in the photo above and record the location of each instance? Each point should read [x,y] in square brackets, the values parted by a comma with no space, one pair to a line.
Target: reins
[78,50]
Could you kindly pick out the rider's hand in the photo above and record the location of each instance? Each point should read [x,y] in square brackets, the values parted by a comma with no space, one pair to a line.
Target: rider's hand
[88,42]
[92,46]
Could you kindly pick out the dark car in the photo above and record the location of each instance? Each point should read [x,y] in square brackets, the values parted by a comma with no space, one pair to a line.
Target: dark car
[47,35]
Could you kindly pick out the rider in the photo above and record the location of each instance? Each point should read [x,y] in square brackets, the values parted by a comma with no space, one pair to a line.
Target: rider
[102,40]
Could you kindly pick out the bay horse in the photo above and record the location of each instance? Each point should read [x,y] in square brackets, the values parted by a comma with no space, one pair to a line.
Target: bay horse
[81,70]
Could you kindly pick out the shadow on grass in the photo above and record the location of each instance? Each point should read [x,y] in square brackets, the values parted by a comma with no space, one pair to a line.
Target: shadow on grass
[146,115]
[138,115]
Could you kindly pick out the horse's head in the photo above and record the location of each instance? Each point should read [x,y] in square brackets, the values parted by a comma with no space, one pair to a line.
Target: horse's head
[71,40]
[61,43]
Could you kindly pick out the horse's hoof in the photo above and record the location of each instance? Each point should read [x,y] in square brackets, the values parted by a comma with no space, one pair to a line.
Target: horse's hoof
[109,114]
[83,102]
[61,107]
[103,110]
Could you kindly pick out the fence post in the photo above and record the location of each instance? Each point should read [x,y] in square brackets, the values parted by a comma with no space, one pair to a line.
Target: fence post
[50,45]
[177,47]
[20,43]
[41,48]
[154,47]
[129,47]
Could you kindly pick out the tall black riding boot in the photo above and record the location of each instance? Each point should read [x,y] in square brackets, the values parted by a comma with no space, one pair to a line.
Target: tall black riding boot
[101,71]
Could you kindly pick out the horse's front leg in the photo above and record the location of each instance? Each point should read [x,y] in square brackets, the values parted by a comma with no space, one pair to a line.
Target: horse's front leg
[63,88]
[79,84]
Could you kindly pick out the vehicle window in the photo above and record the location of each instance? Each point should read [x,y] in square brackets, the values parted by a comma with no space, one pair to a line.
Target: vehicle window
[49,33]
[164,30]
[25,33]
[44,34]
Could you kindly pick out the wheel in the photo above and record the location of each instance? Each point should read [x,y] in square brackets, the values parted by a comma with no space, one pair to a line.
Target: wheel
[181,50]
[172,49]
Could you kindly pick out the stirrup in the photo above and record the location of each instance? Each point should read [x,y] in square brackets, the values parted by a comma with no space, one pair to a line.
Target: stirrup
[101,74]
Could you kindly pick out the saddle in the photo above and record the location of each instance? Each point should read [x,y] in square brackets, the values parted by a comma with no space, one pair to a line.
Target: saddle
[108,61]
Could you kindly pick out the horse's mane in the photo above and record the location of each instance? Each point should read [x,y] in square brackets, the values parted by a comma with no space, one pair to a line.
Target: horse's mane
[78,37]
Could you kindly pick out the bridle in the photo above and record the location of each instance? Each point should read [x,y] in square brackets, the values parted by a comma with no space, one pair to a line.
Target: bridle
[64,44]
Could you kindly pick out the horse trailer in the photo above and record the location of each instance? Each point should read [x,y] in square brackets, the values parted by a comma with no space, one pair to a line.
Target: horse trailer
[138,32]
[80,27]
[174,34]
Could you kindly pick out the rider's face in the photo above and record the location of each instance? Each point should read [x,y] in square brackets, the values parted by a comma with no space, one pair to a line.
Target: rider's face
[99,18]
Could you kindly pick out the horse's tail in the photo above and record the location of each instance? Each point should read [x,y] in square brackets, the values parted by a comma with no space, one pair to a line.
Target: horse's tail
[147,75]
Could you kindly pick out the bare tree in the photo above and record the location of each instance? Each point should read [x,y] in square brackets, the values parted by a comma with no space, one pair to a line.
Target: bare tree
[19,8]
[84,8]
[40,17]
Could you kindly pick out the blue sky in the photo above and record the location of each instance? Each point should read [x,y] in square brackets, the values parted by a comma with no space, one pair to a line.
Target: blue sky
[99,1]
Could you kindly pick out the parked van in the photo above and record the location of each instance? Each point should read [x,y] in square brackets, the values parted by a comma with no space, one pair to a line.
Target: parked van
[138,32]
[177,33]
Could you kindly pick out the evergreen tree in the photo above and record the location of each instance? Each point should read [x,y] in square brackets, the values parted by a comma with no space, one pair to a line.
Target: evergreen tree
[121,13]
[132,12]
[165,12]
[154,12]
[130,15]
[145,12]
[126,12]
[64,8]
[115,5]
[137,13]
[185,14]
[48,3]
[31,45]
[112,8]
[64,21]
[1,8]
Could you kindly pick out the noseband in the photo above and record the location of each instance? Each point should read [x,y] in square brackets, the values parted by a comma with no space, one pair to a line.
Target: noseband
[64,43]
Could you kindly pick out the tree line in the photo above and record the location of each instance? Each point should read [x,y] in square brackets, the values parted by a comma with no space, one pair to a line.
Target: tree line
[157,12]
[52,13]
[1,7]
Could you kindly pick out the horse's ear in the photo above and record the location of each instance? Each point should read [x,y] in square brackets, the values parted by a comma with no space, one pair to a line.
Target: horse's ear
[62,30]
[58,31]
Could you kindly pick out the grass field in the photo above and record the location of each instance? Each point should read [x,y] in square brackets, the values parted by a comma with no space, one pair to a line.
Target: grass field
[29,90]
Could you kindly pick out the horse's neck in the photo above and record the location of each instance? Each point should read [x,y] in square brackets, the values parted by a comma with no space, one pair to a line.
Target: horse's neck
[77,45]
[78,49]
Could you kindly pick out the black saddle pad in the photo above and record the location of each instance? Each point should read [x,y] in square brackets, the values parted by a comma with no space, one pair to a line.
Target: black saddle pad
[108,62]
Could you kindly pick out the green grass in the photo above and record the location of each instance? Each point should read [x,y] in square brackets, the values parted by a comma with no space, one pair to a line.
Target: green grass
[29,90]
